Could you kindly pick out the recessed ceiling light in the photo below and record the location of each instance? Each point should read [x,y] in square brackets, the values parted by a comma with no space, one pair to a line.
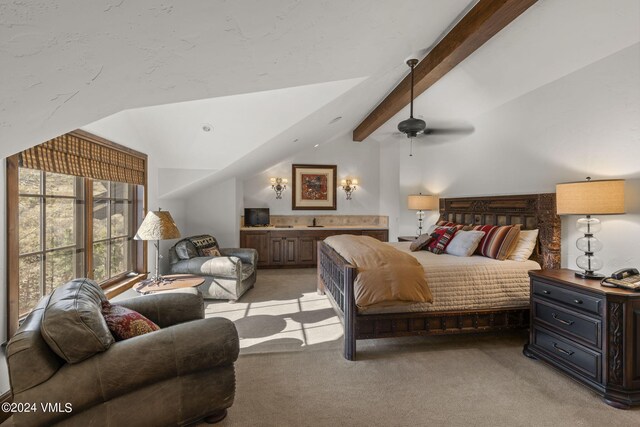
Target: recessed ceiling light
[207,127]
[316,146]
[335,120]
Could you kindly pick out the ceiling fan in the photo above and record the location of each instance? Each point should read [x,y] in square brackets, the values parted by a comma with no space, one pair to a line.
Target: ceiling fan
[413,127]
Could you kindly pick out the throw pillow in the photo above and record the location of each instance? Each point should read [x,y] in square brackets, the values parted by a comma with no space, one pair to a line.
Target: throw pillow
[525,246]
[420,242]
[464,243]
[211,252]
[441,238]
[499,241]
[125,323]
[449,224]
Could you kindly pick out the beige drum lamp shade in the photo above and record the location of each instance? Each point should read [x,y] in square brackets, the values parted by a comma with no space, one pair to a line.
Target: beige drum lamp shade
[422,202]
[603,197]
[158,225]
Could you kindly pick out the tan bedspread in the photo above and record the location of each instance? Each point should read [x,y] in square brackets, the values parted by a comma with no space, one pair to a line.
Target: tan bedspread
[466,283]
[386,276]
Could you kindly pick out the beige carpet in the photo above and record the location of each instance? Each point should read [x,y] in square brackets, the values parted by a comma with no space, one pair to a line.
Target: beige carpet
[291,372]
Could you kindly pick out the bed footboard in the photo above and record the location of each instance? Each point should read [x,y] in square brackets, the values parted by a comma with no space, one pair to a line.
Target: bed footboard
[335,279]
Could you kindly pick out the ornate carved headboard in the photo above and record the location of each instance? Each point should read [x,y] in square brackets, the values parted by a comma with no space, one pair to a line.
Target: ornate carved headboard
[531,210]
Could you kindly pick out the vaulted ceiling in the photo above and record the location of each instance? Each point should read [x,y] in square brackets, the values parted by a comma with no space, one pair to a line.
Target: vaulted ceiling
[268,76]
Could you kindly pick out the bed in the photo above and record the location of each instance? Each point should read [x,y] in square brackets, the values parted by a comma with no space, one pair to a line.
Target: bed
[336,277]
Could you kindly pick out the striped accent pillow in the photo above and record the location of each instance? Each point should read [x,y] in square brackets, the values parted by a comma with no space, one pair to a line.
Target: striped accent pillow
[498,241]
[441,238]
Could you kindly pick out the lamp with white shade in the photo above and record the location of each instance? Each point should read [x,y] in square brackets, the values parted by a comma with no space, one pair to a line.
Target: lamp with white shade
[157,225]
[604,197]
[422,202]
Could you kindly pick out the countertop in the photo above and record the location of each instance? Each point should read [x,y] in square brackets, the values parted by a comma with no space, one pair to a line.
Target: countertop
[326,227]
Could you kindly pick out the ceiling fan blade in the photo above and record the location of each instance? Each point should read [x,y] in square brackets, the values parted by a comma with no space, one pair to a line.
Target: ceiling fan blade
[465,130]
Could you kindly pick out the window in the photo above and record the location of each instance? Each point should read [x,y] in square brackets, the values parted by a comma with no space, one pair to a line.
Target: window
[73,206]
[112,229]
[51,244]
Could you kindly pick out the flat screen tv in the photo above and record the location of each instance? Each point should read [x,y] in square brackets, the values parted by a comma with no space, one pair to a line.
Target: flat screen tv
[256,217]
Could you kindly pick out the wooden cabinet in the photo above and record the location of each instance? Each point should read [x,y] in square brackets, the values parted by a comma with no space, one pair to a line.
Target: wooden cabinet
[260,242]
[588,332]
[294,248]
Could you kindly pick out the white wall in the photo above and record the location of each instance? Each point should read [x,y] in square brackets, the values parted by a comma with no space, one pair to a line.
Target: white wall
[214,211]
[584,124]
[353,160]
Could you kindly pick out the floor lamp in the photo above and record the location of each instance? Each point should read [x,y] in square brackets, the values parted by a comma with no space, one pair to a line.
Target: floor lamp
[588,198]
[157,225]
[422,202]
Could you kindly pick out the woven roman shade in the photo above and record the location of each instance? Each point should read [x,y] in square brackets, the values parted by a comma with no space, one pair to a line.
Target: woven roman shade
[82,154]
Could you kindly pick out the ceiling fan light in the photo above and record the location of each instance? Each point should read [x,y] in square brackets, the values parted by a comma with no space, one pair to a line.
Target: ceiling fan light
[412,126]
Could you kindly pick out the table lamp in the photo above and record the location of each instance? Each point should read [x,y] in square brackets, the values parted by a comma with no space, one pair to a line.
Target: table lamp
[605,197]
[157,225]
[422,202]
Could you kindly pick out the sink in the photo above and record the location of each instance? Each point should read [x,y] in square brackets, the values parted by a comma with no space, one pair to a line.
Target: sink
[315,226]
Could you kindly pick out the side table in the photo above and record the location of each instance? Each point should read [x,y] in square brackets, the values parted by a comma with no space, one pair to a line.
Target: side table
[173,281]
[588,332]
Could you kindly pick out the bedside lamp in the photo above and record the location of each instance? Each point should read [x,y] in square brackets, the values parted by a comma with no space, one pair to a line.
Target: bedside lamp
[422,202]
[157,225]
[588,198]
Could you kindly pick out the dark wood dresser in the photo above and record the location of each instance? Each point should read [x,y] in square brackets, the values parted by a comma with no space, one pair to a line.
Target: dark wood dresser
[296,246]
[587,331]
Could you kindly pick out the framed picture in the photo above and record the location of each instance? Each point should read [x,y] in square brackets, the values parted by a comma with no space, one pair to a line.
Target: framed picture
[314,187]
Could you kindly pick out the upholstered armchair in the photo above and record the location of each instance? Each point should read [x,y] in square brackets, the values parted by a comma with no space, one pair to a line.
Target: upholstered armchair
[228,272]
[64,353]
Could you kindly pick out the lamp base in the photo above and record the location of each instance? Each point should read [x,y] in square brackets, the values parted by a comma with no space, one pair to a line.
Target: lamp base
[589,275]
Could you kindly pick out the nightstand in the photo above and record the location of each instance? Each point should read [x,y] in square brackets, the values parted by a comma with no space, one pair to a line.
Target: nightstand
[406,238]
[588,332]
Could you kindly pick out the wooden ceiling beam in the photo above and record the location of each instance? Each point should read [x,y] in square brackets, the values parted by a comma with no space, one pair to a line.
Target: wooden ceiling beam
[481,23]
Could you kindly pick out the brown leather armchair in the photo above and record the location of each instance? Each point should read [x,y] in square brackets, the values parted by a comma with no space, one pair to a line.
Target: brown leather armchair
[63,352]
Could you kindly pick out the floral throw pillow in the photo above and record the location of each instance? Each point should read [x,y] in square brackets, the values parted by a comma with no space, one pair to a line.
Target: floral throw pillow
[211,251]
[441,238]
[125,323]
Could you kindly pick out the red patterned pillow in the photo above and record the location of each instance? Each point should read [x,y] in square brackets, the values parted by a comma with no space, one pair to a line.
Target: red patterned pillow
[441,238]
[498,241]
[125,323]
[457,226]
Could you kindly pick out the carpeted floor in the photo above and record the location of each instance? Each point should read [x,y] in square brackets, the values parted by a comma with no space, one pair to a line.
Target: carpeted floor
[291,372]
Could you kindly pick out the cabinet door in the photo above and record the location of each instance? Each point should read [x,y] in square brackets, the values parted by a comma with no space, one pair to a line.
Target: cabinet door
[291,250]
[258,241]
[307,250]
[276,251]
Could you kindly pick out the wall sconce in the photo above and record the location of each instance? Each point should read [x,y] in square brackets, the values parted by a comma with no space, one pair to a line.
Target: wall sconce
[349,186]
[279,185]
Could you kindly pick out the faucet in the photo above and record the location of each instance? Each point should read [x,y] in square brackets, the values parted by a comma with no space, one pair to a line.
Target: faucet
[314,222]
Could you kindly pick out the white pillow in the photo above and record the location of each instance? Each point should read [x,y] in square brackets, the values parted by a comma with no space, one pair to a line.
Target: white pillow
[525,246]
[464,243]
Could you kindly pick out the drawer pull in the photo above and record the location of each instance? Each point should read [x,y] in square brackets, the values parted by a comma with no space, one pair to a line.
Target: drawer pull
[546,292]
[566,322]
[562,350]
[577,301]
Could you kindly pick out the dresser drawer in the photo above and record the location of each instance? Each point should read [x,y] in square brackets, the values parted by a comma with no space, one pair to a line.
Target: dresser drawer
[577,326]
[572,355]
[580,301]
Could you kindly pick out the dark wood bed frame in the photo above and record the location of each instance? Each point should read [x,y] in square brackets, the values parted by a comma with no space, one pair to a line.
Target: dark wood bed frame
[336,276]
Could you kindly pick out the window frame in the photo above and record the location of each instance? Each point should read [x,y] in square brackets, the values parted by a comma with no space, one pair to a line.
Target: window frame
[113,285]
